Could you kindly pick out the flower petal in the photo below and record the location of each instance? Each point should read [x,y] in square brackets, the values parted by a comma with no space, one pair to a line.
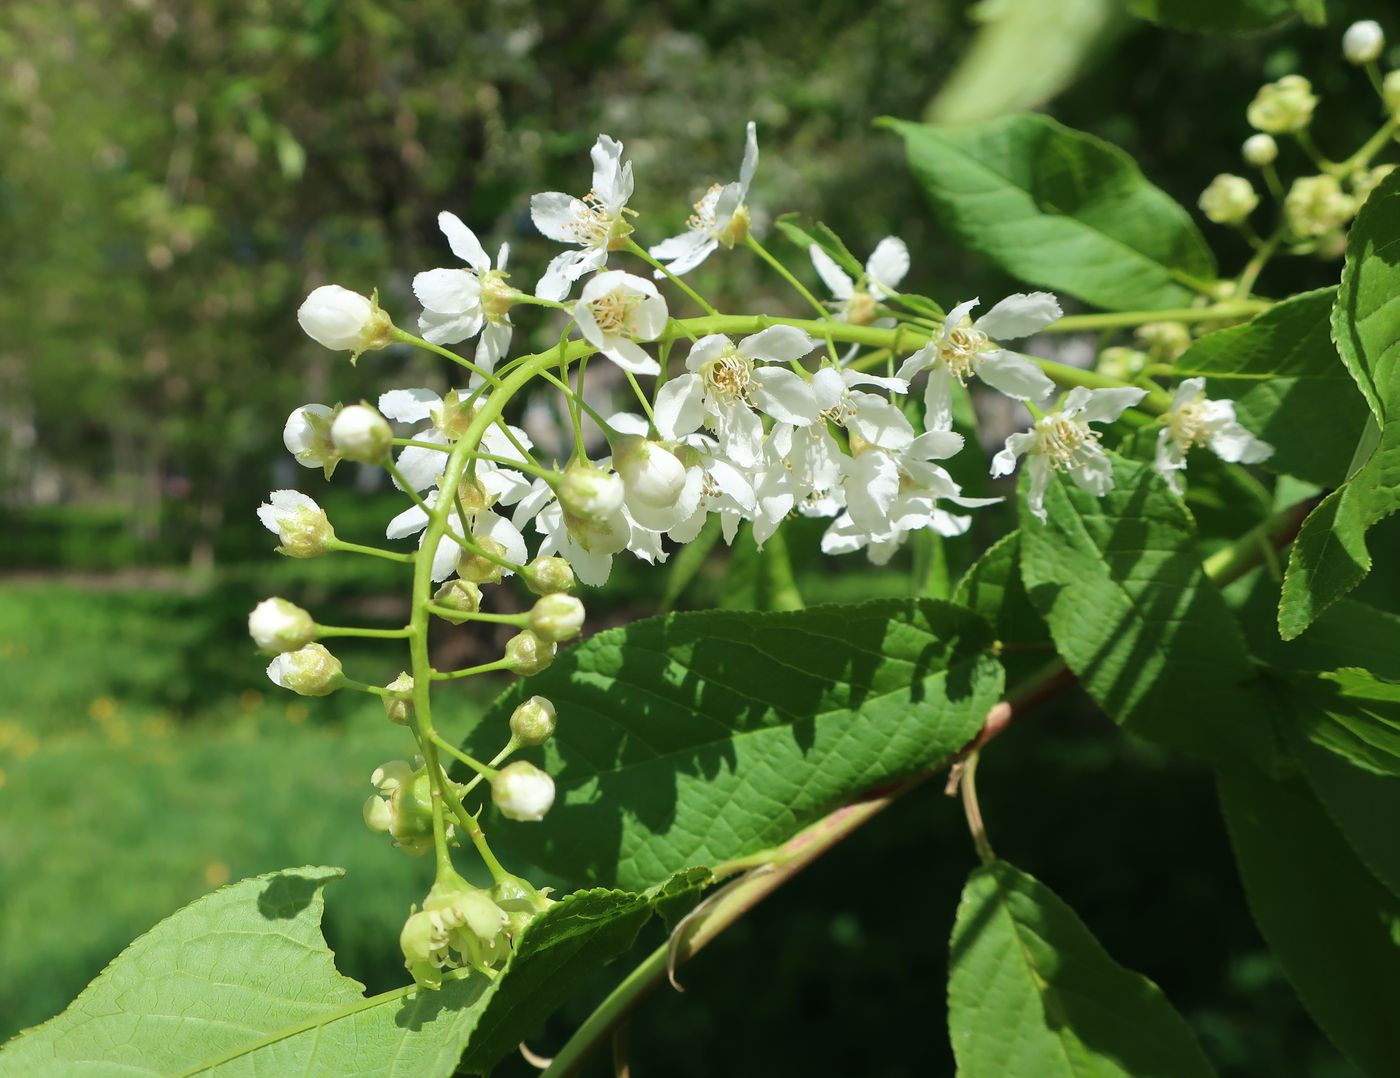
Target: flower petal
[780,343]
[832,275]
[408,405]
[887,265]
[463,242]
[679,407]
[1020,316]
[557,215]
[784,396]
[1014,375]
[750,163]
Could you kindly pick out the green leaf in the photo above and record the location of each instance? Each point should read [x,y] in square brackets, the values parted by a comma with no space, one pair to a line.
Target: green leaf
[1213,15]
[1332,926]
[1120,582]
[1031,992]
[1354,714]
[1289,386]
[692,739]
[241,982]
[992,587]
[1061,209]
[790,224]
[1026,52]
[1330,556]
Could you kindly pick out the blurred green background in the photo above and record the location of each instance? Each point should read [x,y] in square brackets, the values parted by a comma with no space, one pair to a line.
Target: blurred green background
[178,175]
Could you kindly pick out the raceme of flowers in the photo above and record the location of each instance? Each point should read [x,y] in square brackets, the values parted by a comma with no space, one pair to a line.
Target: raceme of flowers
[745,427]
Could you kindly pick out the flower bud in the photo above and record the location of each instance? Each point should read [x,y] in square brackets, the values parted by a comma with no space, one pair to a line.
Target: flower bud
[403,806]
[589,493]
[1282,107]
[479,569]
[547,575]
[527,654]
[1317,205]
[1228,200]
[298,522]
[1164,340]
[650,474]
[1363,42]
[423,941]
[522,791]
[361,433]
[308,671]
[607,536]
[1390,91]
[461,595]
[533,722]
[307,436]
[1122,363]
[277,625]
[557,617]
[344,321]
[399,708]
[1260,150]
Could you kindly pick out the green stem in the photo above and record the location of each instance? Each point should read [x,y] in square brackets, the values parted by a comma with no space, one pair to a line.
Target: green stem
[327,631]
[645,255]
[418,342]
[1126,319]
[1255,266]
[757,248]
[452,750]
[470,671]
[462,615]
[441,447]
[967,785]
[1372,146]
[374,552]
[469,824]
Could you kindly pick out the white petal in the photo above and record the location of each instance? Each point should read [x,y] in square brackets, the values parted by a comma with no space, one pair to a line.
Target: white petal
[490,525]
[556,215]
[740,434]
[448,328]
[750,162]
[880,422]
[1039,469]
[1106,405]
[784,396]
[630,356]
[921,360]
[1188,392]
[894,385]
[1004,463]
[649,317]
[871,487]
[936,445]
[495,342]
[706,350]
[448,291]
[835,278]
[783,343]
[410,522]
[679,406]
[957,314]
[612,180]
[1020,316]
[563,270]
[1014,375]
[938,399]
[408,405]
[828,387]
[463,242]
[446,555]
[1094,472]
[888,264]
[1235,444]
[421,467]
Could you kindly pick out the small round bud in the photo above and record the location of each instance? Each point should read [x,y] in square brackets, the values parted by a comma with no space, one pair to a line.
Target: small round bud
[1164,340]
[527,654]
[1259,150]
[307,436]
[1282,107]
[1363,42]
[399,708]
[298,522]
[361,433]
[308,671]
[1228,200]
[478,568]
[277,625]
[650,473]
[1390,91]
[1316,206]
[344,321]
[557,617]
[589,493]
[547,575]
[462,596]
[1122,363]
[522,791]
[533,722]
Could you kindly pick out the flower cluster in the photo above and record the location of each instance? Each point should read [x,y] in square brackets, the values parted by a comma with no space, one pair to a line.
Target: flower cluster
[753,420]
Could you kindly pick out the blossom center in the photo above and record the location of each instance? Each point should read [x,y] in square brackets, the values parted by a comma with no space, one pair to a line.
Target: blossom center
[729,377]
[960,349]
[703,219]
[1187,424]
[614,312]
[595,226]
[1060,440]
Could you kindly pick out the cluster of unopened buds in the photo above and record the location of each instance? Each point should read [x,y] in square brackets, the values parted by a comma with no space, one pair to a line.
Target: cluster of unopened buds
[747,429]
[1315,209]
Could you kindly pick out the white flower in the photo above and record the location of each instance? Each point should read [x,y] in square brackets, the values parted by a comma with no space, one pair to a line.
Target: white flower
[856,300]
[421,467]
[961,351]
[587,543]
[484,524]
[1363,42]
[615,311]
[1061,441]
[343,320]
[457,303]
[651,474]
[720,217]
[307,436]
[278,625]
[360,433]
[522,791]
[298,522]
[594,223]
[1191,420]
[725,383]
